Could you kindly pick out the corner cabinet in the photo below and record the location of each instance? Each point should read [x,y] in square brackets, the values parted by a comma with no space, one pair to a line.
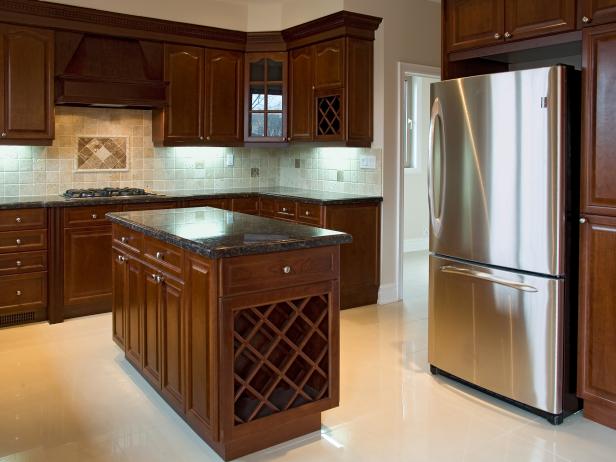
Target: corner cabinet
[594,12]
[26,85]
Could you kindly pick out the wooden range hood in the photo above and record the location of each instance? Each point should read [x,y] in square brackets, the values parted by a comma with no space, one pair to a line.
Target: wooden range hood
[97,70]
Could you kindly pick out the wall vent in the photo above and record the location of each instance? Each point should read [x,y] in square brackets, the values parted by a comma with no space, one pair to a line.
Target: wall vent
[16,318]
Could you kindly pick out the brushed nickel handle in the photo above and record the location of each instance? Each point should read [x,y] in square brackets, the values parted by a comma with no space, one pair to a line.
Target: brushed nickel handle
[586,19]
[18,241]
[18,220]
[286,269]
[160,255]
[497,36]
[18,263]
[507,35]
[488,277]
[121,258]
[94,216]
[18,292]
[123,239]
[582,220]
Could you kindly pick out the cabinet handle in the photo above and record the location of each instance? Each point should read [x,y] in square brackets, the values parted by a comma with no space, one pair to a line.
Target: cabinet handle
[18,292]
[160,255]
[121,258]
[18,241]
[497,36]
[313,88]
[123,239]
[284,209]
[158,278]
[289,138]
[284,138]
[207,138]
[307,213]
[582,220]
[586,19]
[18,263]
[3,134]
[286,269]
[507,35]
[94,216]
[201,138]
[18,220]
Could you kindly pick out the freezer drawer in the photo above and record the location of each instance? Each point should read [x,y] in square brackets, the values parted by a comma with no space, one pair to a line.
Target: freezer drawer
[499,330]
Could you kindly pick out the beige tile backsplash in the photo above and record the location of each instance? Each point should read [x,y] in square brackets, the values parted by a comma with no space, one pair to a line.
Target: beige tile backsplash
[27,171]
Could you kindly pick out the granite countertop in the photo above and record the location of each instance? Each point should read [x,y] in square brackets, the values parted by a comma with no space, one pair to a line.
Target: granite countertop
[216,233]
[305,195]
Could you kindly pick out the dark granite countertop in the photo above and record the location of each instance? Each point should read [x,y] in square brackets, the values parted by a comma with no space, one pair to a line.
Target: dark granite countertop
[317,197]
[216,233]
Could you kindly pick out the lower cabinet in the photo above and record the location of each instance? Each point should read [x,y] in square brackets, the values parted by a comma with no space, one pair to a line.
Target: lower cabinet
[597,320]
[171,309]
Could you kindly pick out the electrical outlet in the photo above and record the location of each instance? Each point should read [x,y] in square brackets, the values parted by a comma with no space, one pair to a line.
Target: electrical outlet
[199,165]
[298,163]
[229,160]
[367,162]
[254,172]
[340,175]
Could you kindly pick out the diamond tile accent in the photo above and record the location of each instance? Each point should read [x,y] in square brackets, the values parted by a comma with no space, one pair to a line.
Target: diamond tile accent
[102,153]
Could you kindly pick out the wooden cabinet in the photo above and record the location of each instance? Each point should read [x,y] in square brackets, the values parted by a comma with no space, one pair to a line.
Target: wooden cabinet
[597,319]
[599,111]
[118,312]
[532,18]
[26,85]
[266,97]
[329,64]
[301,94]
[134,286]
[216,202]
[594,12]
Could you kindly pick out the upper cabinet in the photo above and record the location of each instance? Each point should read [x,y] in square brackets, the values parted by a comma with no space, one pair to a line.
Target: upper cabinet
[593,12]
[26,85]
[266,97]
[301,108]
[478,23]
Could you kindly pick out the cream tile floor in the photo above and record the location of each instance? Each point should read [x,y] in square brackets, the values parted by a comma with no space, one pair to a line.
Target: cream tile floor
[67,394]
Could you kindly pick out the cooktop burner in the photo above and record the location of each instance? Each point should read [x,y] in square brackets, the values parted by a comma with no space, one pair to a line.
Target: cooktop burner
[105,192]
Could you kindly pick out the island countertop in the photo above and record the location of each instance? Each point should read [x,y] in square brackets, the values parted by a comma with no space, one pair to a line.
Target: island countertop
[217,233]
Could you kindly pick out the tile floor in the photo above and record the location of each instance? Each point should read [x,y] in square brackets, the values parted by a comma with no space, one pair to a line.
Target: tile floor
[67,394]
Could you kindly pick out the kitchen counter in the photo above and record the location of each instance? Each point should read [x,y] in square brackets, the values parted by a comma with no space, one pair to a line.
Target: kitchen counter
[216,233]
[305,195]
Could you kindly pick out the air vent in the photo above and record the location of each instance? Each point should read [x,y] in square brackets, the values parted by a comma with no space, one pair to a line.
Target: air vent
[15,319]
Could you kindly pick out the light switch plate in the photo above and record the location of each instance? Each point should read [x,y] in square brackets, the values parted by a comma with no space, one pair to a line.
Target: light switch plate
[367,162]
[229,160]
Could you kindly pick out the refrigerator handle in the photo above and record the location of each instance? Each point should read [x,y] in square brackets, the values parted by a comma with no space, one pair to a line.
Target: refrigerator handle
[436,115]
[488,277]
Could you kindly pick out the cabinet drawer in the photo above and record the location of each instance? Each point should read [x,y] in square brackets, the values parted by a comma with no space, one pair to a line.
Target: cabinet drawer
[23,291]
[149,206]
[256,272]
[245,205]
[127,239]
[22,219]
[23,262]
[167,257]
[309,214]
[216,203]
[284,209]
[16,241]
[88,216]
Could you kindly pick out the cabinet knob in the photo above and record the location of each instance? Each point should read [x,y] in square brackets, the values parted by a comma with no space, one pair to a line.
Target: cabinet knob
[160,255]
[18,241]
[121,258]
[307,213]
[18,292]
[3,134]
[313,87]
[158,278]
[201,138]
[18,220]
[207,138]
[586,19]
[123,239]
[94,216]
[284,209]
[286,269]
[289,138]
[497,36]
[507,35]
[18,263]
[582,220]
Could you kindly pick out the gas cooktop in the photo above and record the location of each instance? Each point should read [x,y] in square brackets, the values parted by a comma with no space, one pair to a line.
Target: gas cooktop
[104,192]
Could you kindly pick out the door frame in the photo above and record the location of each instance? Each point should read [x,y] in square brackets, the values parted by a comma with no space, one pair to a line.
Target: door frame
[404,69]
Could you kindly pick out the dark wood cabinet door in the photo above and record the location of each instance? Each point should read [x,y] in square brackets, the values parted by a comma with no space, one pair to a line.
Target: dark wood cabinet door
[118,276]
[172,342]
[183,116]
[133,303]
[595,12]
[597,319]
[301,89]
[359,91]
[27,81]
[329,64]
[533,18]
[151,327]
[87,266]
[224,117]
[473,23]
[599,113]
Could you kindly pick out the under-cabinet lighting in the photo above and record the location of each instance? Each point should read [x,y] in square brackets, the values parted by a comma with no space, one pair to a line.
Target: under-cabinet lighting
[192,151]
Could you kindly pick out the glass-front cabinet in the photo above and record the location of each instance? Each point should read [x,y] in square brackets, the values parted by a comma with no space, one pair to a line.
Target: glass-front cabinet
[266,97]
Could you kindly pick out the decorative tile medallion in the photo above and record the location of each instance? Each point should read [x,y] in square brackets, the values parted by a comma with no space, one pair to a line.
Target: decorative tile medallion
[102,153]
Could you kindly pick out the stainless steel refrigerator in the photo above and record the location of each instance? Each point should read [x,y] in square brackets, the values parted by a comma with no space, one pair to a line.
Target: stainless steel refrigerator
[502,197]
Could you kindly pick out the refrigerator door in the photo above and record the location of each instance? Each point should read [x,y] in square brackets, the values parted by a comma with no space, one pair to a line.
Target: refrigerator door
[499,330]
[496,169]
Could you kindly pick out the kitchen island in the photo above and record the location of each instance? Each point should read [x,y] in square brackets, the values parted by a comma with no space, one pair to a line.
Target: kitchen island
[232,318]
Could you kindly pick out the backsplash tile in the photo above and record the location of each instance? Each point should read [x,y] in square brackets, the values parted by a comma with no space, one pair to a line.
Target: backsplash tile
[102,153]
[27,171]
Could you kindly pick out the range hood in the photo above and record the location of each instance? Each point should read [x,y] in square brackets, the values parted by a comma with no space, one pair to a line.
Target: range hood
[95,70]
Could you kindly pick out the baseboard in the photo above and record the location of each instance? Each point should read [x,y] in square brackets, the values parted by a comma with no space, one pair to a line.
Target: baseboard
[414,245]
[388,293]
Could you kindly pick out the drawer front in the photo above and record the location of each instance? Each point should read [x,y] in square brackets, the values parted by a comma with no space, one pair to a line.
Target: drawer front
[23,262]
[127,239]
[23,291]
[309,213]
[216,203]
[245,205]
[165,256]
[256,272]
[22,219]
[17,241]
[88,216]
[149,206]
[284,209]
[267,207]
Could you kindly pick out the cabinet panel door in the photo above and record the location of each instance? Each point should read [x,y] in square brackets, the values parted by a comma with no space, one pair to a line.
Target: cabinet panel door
[151,329]
[133,300]
[172,338]
[87,265]
[359,91]
[329,64]
[532,18]
[27,68]
[474,23]
[599,113]
[184,70]
[597,374]
[118,276]
[598,11]
[224,96]
[301,95]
